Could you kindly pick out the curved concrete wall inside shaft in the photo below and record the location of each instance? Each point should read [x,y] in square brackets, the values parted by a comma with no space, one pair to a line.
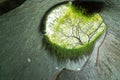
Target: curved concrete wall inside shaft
[23,57]
[8,5]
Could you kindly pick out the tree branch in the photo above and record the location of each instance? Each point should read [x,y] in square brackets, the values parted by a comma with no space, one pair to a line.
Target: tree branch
[93,33]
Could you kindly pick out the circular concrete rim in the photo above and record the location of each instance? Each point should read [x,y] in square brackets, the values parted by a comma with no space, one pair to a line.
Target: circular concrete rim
[42,30]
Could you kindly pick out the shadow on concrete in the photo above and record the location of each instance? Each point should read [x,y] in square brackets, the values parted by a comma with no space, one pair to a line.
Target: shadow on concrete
[90,7]
[7,5]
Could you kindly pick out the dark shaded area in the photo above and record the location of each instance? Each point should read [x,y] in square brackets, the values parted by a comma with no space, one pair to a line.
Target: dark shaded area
[8,5]
[90,7]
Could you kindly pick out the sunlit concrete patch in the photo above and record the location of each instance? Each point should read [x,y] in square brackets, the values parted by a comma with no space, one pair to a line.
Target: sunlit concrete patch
[29,60]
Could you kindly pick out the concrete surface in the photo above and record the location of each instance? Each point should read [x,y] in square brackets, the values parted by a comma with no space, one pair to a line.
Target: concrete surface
[22,56]
[7,5]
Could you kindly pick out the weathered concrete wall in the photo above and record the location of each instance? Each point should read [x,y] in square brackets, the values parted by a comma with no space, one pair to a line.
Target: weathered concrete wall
[7,5]
[22,56]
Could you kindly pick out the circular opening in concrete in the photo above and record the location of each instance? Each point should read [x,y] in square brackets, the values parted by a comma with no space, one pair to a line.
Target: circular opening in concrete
[70,33]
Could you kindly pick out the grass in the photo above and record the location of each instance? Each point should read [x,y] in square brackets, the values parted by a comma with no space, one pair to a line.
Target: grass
[63,53]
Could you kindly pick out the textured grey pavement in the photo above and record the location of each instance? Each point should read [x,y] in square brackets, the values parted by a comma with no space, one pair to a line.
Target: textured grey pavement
[8,5]
[22,56]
